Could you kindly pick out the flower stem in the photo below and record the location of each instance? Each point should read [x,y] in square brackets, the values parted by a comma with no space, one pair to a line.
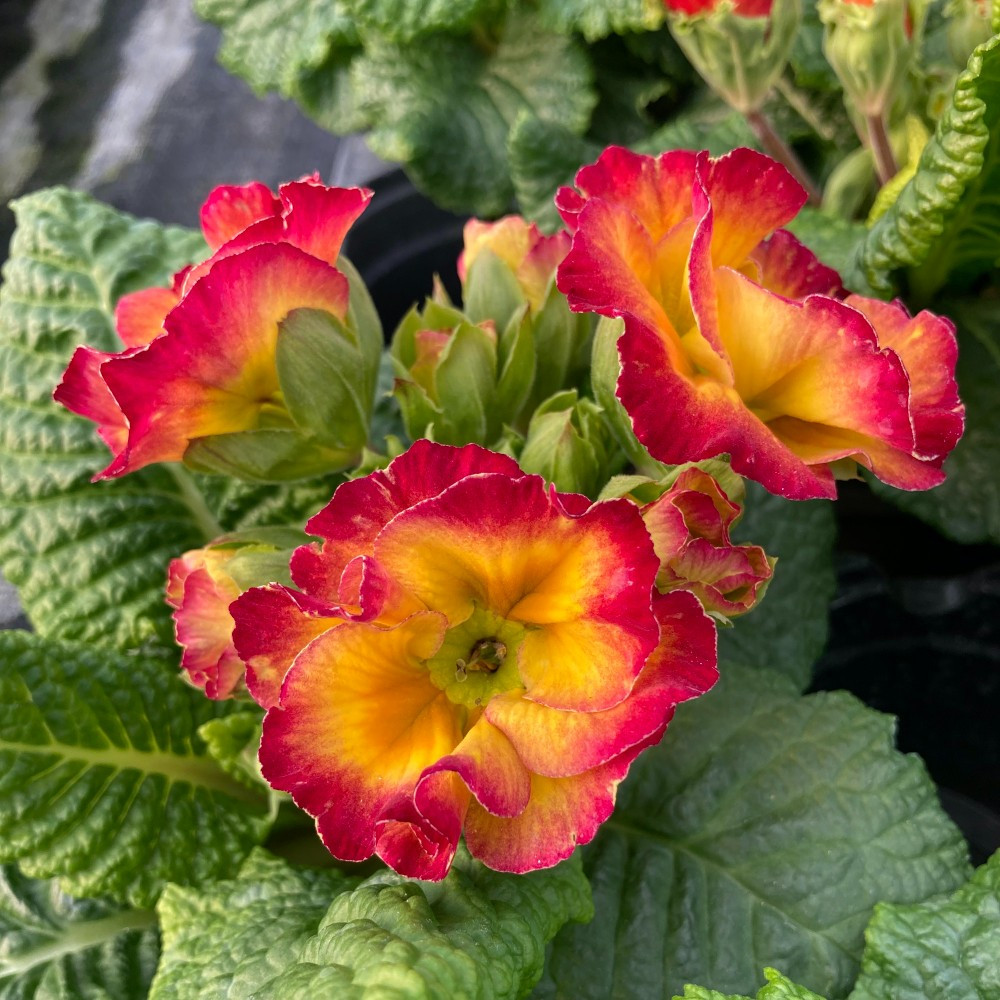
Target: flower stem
[878,141]
[195,502]
[776,147]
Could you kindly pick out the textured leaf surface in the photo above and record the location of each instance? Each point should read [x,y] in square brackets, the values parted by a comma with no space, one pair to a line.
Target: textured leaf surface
[104,781]
[240,932]
[300,48]
[761,831]
[941,948]
[274,934]
[53,947]
[90,559]
[946,221]
[406,20]
[966,506]
[777,988]
[596,18]
[787,632]
[444,107]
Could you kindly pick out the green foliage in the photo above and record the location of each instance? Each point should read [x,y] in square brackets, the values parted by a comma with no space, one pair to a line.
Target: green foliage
[777,988]
[274,933]
[966,506]
[763,829]
[445,107]
[300,48]
[90,560]
[596,18]
[836,241]
[53,947]
[104,780]
[942,948]
[946,222]
[409,20]
[787,632]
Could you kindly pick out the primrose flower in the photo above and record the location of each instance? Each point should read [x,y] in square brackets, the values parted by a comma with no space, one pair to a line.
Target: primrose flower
[529,256]
[744,8]
[689,525]
[472,652]
[731,342]
[202,364]
[202,583]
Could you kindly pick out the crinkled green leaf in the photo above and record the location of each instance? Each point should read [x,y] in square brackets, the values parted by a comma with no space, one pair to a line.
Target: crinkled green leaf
[300,48]
[946,221]
[90,559]
[787,632]
[407,20]
[53,947]
[777,988]
[104,781]
[948,948]
[233,936]
[966,506]
[444,108]
[278,933]
[596,18]
[762,830]
[545,155]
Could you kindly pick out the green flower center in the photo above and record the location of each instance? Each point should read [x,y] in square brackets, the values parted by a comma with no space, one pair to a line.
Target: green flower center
[478,659]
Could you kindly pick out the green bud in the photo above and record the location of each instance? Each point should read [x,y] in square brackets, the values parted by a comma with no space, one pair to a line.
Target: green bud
[970,23]
[460,383]
[260,555]
[870,47]
[739,57]
[569,444]
[491,290]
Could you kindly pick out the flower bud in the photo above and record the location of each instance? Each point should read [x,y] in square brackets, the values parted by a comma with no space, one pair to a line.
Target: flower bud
[201,585]
[689,525]
[460,382]
[870,45]
[570,444]
[740,47]
[969,25]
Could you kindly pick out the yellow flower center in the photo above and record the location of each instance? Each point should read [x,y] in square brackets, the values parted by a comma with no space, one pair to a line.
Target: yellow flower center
[478,659]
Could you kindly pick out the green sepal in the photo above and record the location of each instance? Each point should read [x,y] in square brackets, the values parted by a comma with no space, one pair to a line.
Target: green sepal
[491,291]
[563,345]
[465,379]
[739,57]
[267,455]
[604,372]
[327,384]
[520,366]
[363,320]
[569,444]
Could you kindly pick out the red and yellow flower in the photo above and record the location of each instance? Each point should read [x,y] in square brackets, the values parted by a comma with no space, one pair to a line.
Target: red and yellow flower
[468,652]
[733,342]
[200,355]
[744,8]
[689,525]
[531,256]
[200,590]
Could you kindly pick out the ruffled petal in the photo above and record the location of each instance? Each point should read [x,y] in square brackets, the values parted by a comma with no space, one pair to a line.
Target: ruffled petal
[580,584]
[231,208]
[359,721]
[215,367]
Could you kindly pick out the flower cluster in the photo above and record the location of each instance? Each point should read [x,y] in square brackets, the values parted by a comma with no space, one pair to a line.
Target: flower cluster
[201,378]
[468,650]
[471,649]
[735,338]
